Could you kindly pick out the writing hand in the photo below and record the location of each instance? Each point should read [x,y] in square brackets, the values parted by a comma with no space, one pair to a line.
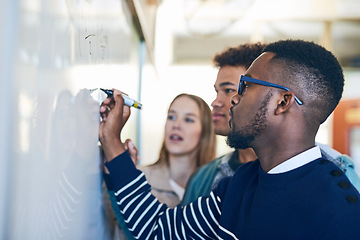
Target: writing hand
[114,115]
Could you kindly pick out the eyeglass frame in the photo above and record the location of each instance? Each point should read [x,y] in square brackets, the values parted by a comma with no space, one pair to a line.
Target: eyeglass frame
[244,78]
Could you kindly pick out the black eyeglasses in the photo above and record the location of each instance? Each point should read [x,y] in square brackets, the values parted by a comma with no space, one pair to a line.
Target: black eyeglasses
[244,79]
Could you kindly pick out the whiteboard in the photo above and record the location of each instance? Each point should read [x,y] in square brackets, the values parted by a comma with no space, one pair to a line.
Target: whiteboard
[55,54]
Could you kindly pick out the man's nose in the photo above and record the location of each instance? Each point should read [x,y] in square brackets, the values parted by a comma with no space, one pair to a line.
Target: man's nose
[217,102]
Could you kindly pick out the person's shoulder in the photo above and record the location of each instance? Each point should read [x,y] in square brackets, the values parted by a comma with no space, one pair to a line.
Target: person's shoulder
[335,185]
[346,164]
[207,171]
[211,166]
[156,174]
[331,190]
[157,167]
[214,162]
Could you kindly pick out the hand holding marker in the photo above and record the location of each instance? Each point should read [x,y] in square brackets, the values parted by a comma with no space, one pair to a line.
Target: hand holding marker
[127,101]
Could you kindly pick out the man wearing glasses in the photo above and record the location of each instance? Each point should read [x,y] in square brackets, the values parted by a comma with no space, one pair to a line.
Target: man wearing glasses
[289,192]
[233,63]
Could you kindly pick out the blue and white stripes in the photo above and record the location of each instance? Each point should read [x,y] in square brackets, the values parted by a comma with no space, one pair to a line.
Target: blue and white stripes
[149,219]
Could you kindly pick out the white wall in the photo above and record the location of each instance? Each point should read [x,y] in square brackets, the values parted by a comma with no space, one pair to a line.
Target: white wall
[8,16]
[53,51]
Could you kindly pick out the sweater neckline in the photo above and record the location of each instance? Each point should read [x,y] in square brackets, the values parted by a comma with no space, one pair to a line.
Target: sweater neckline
[281,180]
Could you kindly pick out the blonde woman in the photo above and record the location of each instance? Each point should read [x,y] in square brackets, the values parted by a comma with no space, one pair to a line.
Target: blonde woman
[189,143]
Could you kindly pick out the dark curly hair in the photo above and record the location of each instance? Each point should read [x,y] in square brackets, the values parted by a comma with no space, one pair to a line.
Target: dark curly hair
[312,72]
[242,55]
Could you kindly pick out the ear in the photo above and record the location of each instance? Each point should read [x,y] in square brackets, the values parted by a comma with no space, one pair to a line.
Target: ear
[285,102]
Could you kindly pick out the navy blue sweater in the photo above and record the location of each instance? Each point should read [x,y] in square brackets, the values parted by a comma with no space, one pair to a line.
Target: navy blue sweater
[315,201]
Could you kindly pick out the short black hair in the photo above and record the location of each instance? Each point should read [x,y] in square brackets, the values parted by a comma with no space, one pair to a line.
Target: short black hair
[313,71]
[242,55]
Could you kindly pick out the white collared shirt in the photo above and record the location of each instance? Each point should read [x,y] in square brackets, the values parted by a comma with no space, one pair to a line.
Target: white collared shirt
[297,161]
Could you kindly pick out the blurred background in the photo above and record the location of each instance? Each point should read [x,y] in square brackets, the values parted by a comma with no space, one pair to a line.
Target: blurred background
[55,54]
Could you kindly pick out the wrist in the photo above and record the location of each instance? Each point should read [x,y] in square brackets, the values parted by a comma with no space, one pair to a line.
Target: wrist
[113,149]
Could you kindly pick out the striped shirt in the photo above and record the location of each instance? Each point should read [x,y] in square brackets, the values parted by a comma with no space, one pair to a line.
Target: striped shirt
[146,218]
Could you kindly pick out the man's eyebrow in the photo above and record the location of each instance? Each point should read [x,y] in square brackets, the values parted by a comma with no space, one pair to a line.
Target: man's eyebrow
[226,84]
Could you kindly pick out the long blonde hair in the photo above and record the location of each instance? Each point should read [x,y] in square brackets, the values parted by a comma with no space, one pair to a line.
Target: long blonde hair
[206,149]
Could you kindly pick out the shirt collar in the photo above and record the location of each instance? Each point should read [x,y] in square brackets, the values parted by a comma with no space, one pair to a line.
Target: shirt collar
[297,161]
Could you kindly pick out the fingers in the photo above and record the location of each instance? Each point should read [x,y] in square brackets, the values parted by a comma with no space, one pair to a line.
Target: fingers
[105,108]
[109,103]
[114,116]
[121,107]
[133,151]
[116,106]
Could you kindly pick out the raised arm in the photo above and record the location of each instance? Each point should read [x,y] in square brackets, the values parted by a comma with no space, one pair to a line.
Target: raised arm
[146,218]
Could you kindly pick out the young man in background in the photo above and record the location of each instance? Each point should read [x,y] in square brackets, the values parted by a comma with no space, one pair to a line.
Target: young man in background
[232,63]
